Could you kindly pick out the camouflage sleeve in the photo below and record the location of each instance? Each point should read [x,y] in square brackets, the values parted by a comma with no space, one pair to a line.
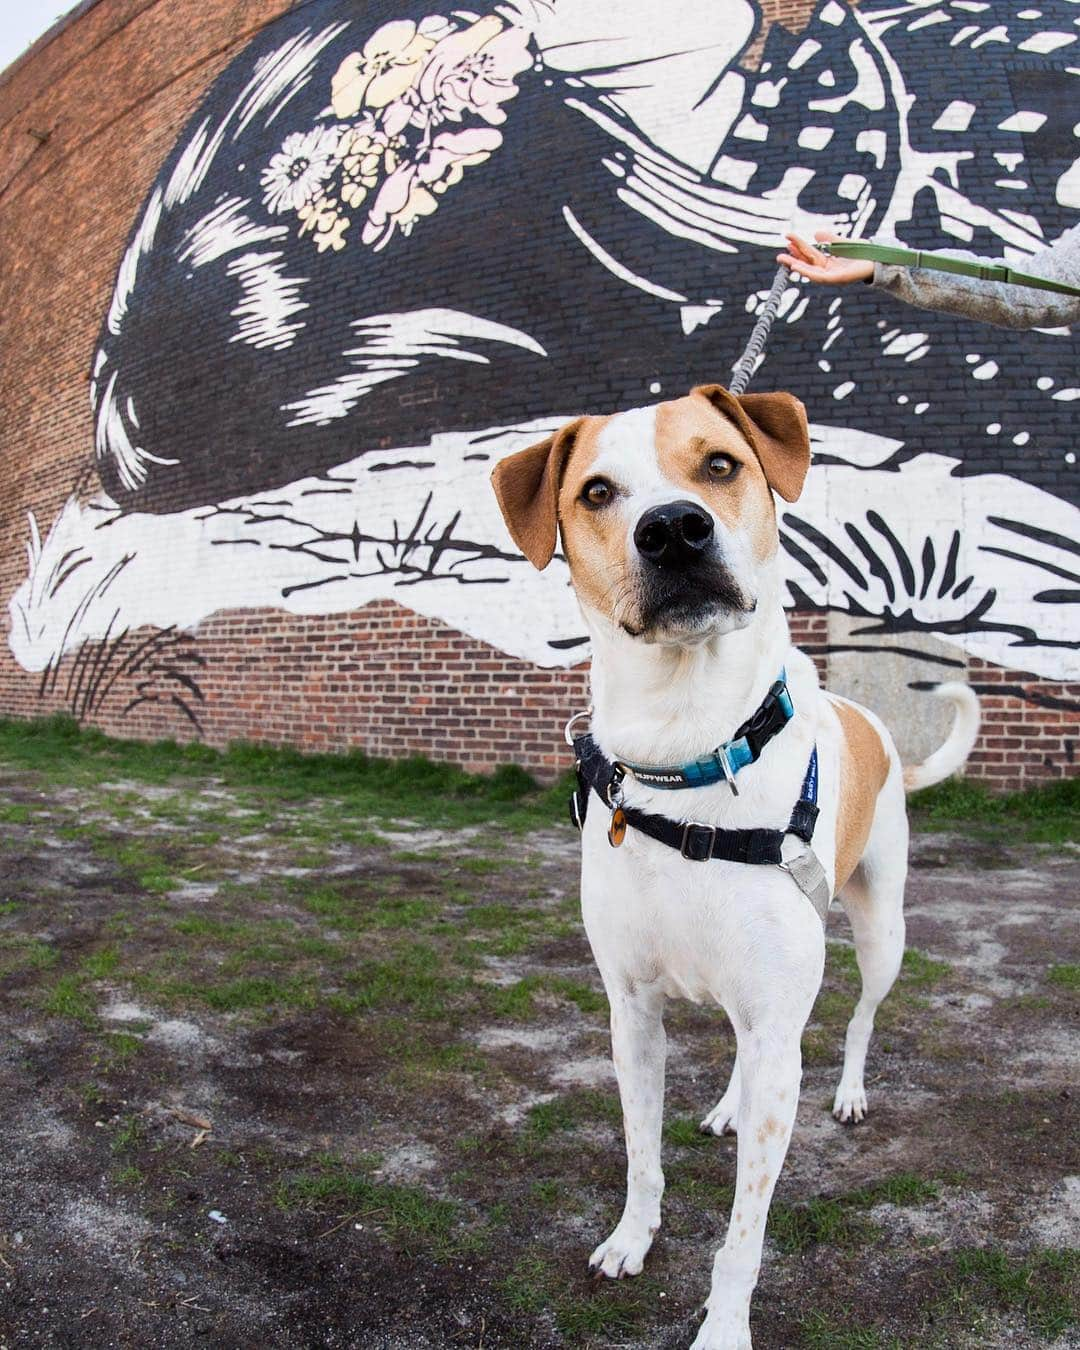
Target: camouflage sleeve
[993,301]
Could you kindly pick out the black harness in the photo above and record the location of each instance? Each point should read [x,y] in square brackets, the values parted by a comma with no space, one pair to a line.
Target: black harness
[695,841]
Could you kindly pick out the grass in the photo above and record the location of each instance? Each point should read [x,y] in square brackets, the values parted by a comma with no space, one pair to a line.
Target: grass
[583,1107]
[839,1221]
[1042,1286]
[823,1332]
[410,1217]
[610,1308]
[517,1001]
[823,1038]
[1047,814]
[440,794]
[1065,976]
[430,793]
[67,998]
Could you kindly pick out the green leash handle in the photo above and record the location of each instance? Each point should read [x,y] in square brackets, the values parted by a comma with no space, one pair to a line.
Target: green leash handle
[937,262]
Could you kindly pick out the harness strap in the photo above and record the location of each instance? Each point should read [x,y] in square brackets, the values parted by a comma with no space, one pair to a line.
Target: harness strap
[938,262]
[696,842]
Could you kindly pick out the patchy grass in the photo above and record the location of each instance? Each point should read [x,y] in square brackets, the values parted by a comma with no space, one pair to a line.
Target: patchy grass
[836,1221]
[1065,976]
[586,1106]
[604,1308]
[794,1228]
[518,1001]
[410,1217]
[919,974]
[1042,1286]
[430,793]
[67,997]
[345,1009]
[1047,814]
[820,1331]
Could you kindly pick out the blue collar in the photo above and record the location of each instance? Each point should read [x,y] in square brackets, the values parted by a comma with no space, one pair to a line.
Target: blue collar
[724,762]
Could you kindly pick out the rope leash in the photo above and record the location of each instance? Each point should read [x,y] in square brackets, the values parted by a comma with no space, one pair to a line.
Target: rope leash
[759,335]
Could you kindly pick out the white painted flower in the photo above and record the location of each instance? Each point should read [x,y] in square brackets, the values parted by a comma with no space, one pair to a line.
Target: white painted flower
[297,172]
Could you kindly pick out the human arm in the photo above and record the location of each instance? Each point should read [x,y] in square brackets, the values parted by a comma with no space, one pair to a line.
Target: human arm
[1006,305]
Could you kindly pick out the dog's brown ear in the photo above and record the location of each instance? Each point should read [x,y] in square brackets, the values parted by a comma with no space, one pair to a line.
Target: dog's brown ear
[527,487]
[776,426]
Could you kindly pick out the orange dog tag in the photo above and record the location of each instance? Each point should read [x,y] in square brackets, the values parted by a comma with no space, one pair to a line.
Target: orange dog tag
[616,832]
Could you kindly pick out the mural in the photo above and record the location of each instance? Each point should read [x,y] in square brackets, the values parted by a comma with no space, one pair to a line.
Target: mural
[383,254]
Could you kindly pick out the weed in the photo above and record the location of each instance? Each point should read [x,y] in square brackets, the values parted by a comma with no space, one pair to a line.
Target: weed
[1067,976]
[904,1188]
[821,1332]
[1038,1285]
[67,998]
[406,1214]
[101,964]
[129,1134]
[685,1132]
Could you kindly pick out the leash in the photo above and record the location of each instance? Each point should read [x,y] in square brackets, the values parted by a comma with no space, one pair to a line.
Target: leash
[759,335]
[939,262]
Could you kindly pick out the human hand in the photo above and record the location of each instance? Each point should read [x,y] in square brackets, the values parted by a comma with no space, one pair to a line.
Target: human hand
[809,262]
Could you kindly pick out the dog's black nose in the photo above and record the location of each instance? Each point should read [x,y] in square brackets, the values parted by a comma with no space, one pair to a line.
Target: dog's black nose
[677,532]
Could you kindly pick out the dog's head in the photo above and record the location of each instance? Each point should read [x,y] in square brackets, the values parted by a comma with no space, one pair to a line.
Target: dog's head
[666,512]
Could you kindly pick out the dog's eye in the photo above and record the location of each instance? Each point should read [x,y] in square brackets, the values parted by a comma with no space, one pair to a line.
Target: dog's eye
[596,492]
[721,466]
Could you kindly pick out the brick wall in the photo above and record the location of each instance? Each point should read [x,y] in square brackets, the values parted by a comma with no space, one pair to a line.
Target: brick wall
[86,122]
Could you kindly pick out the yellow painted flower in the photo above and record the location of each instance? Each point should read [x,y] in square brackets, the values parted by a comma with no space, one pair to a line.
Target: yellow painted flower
[324,220]
[366,153]
[390,64]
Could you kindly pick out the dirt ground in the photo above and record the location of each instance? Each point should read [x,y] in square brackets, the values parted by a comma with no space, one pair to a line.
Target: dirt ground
[275,1076]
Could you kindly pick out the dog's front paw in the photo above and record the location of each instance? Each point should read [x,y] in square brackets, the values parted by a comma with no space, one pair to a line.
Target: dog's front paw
[624,1252]
[715,1335]
[849,1105]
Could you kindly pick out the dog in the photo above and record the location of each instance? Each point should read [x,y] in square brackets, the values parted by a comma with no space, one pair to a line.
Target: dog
[724,798]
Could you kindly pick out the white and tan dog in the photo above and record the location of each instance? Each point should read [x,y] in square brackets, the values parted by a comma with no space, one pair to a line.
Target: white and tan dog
[669,528]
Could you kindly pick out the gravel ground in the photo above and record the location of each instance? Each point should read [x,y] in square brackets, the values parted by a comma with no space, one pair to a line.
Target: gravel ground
[275,1076]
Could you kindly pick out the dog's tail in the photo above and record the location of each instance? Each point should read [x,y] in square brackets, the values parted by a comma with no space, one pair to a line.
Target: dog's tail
[950,756]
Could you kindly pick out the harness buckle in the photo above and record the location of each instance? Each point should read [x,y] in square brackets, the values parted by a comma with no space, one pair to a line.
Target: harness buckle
[692,854]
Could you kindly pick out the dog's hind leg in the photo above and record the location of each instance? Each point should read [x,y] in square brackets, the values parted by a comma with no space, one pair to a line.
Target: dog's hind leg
[722,1119]
[638,1047]
[874,902]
